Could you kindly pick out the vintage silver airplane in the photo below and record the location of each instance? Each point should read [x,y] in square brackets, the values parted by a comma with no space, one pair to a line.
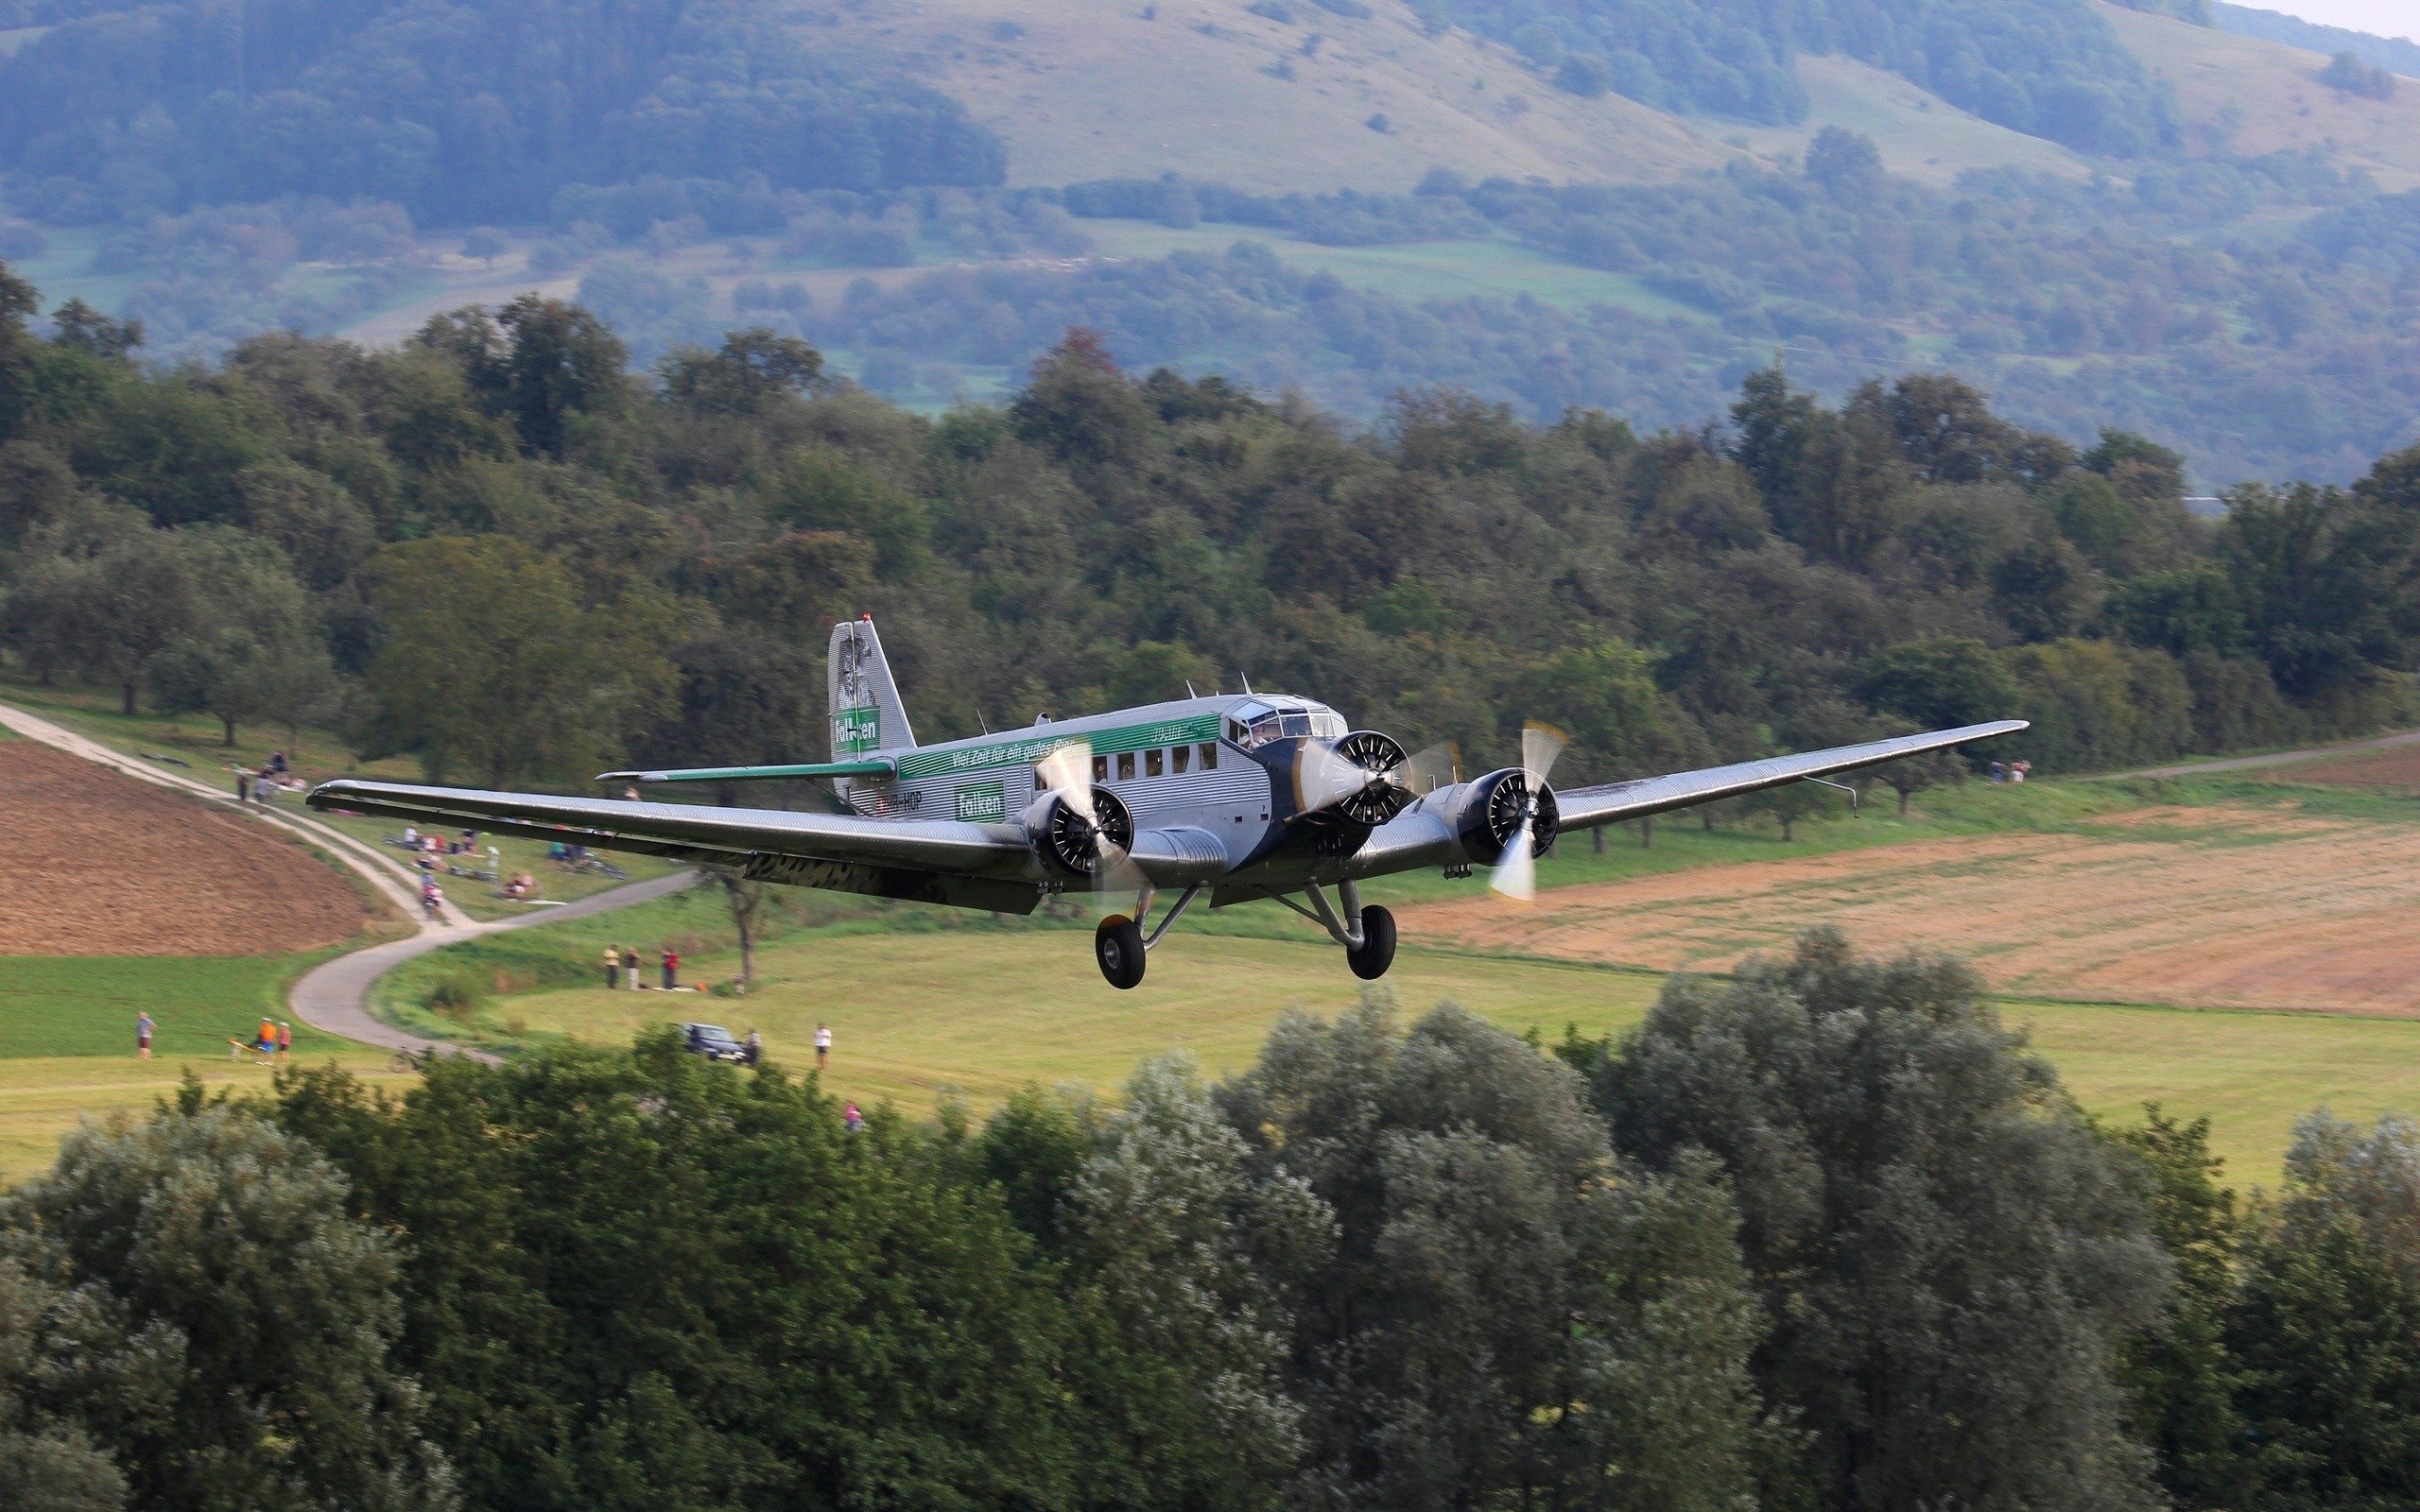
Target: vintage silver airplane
[1245,795]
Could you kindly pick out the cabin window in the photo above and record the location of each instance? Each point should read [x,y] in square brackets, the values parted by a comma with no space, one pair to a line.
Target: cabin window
[1209,755]
[1100,768]
[1180,759]
[1152,762]
[1125,766]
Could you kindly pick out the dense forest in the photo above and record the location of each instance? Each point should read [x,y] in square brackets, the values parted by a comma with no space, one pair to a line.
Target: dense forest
[1825,1236]
[495,548]
[462,113]
[2175,306]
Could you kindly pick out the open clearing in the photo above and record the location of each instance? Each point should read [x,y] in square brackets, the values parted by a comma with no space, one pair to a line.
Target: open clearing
[2396,769]
[102,865]
[2214,906]
[984,1012]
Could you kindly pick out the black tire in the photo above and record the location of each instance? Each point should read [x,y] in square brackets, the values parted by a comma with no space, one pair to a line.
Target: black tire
[1118,945]
[1377,950]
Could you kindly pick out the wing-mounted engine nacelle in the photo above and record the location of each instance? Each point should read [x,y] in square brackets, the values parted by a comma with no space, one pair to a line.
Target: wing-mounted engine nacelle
[1362,778]
[1497,807]
[1069,841]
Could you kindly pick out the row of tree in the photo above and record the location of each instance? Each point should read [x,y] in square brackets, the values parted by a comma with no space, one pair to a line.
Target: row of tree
[495,549]
[1827,1236]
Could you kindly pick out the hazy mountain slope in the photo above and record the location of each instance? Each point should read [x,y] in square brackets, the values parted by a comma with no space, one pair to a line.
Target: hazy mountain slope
[2246,95]
[2398,54]
[1087,88]
[1921,135]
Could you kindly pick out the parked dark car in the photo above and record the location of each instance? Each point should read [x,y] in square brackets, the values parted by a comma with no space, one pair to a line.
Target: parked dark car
[713,1042]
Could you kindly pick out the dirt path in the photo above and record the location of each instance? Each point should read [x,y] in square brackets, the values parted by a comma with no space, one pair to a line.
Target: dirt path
[2223,906]
[2279,758]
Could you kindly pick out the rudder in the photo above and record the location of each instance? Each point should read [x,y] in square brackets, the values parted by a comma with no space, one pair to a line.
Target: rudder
[867,713]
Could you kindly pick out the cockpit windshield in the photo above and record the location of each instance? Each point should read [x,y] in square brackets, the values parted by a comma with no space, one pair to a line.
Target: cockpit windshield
[1255,724]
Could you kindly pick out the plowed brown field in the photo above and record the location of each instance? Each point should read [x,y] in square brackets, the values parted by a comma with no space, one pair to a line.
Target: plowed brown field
[2203,907]
[95,864]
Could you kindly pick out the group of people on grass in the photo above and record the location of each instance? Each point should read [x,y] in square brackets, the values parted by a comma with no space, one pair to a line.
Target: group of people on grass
[259,784]
[622,968]
[2011,772]
[274,1039]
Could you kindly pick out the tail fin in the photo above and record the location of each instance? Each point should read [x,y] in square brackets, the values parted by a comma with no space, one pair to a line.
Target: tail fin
[867,715]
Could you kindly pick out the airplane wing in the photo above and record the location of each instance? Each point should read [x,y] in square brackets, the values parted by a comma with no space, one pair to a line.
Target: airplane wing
[1585,808]
[981,866]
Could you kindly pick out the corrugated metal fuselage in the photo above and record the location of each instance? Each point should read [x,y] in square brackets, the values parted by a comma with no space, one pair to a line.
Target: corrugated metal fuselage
[1178,765]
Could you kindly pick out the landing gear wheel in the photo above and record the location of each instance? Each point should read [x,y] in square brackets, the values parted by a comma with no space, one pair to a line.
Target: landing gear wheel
[1377,950]
[1117,944]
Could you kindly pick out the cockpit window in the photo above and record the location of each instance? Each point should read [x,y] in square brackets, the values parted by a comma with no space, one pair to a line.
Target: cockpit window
[1253,725]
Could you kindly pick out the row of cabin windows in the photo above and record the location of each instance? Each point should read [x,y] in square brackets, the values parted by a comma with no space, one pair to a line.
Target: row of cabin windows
[1177,759]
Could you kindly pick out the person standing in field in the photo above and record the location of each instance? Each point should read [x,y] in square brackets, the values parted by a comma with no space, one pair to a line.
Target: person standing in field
[671,967]
[243,784]
[853,1119]
[755,1046]
[612,967]
[143,1035]
[822,1046]
[285,1039]
[630,968]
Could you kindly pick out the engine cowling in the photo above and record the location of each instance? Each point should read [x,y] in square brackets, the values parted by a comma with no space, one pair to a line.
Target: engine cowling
[1070,842]
[1493,810]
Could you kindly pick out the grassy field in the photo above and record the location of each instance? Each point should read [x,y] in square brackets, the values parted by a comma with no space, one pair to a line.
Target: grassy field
[67,1037]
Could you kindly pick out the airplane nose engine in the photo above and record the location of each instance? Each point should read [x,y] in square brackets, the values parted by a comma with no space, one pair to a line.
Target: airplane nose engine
[1497,807]
[1360,777]
[1070,841]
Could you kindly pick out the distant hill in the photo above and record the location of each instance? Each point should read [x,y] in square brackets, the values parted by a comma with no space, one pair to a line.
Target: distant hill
[2395,54]
[2246,95]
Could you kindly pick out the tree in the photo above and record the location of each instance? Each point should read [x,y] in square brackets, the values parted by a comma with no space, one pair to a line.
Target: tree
[752,366]
[1498,1288]
[492,664]
[1847,165]
[81,328]
[1171,1221]
[1937,683]
[2327,1327]
[537,362]
[102,592]
[258,652]
[1947,1257]
[747,901]
[47,1465]
[636,1280]
[239,1324]
[1910,775]
[2180,1372]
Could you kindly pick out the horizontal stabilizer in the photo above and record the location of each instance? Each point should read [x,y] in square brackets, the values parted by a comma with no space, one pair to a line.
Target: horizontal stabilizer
[872,766]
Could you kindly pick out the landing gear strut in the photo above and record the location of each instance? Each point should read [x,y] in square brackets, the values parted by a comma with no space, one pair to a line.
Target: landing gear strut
[1120,946]
[1377,950]
[1368,935]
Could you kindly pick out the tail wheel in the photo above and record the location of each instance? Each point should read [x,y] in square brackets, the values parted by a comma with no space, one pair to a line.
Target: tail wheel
[1377,950]
[1118,945]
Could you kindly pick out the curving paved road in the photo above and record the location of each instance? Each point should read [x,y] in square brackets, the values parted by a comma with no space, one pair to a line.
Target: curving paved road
[333,996]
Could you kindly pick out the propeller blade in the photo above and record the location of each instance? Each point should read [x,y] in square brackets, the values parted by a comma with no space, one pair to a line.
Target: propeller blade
[1327,777]
[1540,744]
[1068,773]
[1516,873]
[1440,765]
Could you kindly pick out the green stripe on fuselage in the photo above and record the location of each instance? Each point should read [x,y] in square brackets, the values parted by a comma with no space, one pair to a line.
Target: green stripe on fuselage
[1031,747]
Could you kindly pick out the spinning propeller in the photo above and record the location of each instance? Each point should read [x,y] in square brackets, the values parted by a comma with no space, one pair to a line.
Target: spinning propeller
[1089,831]
[1367,779]
[1524,803]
